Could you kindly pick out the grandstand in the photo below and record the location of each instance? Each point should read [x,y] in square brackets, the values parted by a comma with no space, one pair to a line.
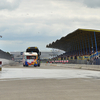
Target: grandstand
[80,46]
[5,55]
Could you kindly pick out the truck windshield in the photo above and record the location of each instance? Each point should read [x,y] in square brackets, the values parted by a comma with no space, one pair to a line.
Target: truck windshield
[31,57]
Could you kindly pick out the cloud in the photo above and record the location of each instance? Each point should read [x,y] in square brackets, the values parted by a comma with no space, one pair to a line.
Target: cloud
[9,4]
[88,3]
[92,3]
[40,22]
[14,45]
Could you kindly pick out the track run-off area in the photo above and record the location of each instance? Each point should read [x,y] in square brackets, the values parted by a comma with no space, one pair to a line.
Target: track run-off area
[50,82]
[47,71]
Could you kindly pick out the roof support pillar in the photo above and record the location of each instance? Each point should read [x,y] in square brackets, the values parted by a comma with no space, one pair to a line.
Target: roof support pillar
[73,48]
[92,44]
[83,46]
[78,48]
[86,46]
[95,43]
[89,45]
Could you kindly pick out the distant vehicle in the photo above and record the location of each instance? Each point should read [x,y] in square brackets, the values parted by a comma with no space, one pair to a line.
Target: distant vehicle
[31,57]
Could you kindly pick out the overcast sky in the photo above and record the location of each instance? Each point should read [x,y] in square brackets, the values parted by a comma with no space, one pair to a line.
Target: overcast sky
[25,23]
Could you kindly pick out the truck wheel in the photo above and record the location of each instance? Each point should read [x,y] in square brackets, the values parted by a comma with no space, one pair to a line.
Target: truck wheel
[38,65]
[23,65]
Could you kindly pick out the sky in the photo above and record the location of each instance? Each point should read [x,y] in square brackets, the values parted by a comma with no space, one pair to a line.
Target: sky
[27,23]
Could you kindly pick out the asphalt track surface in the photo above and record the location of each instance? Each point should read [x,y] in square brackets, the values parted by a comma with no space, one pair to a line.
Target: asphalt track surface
[48,82]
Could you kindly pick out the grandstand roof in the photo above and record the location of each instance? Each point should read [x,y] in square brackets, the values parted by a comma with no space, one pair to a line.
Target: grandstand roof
[79,39]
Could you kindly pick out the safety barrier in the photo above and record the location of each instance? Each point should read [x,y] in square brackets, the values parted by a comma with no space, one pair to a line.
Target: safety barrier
[0,65]
[58,61]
